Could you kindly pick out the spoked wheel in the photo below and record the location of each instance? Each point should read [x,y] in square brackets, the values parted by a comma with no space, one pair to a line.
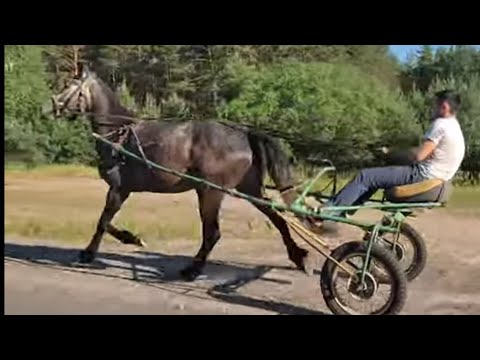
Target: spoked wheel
[382,292]
[410,250]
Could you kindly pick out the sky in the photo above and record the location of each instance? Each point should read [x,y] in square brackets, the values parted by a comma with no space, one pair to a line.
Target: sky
[402,51]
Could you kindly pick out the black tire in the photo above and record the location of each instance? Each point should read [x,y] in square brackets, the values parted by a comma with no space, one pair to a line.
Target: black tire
[379,255]
[414,268]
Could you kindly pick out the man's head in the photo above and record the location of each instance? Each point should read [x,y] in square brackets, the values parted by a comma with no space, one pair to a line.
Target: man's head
[447,103]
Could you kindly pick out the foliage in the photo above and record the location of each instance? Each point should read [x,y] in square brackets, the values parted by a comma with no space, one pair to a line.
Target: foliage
[25,93]
[63,142]
[29,134]
[458,62]
[331,103]
[347,99]
[469,116]
[457,68]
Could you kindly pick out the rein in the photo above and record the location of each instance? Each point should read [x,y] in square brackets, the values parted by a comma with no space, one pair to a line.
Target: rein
[135,120]
[290,138]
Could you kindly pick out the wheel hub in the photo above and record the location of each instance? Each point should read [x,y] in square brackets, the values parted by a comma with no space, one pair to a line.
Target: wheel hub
[399,251]
[363,291]
[397,248]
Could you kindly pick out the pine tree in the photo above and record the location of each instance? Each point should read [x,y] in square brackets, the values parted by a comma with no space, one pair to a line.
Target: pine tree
[62,62]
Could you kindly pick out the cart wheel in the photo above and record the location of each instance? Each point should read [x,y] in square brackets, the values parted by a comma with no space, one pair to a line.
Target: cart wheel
[345,295]
[410,250]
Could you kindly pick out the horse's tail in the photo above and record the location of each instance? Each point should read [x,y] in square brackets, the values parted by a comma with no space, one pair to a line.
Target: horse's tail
[269,156]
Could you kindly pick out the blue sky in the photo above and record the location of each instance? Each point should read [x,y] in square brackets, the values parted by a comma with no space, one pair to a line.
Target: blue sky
[402,51]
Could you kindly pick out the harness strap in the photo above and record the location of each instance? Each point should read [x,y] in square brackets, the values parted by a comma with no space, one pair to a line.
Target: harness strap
[123,134]
[140,147]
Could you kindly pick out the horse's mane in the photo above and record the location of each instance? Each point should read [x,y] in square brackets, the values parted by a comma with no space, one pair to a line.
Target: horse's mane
[116,107]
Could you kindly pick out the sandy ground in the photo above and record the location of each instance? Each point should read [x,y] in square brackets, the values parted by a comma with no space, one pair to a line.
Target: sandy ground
[243,277]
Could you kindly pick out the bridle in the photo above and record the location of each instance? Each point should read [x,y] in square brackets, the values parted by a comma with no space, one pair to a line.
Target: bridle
[62,107]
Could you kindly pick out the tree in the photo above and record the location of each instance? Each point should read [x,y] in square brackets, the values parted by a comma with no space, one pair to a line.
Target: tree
[469,116]
[209,63]
[456,68]
[29,134]
[377,61]
[25,93]
[62,62]
[157,73]
[458,62]
[332,109]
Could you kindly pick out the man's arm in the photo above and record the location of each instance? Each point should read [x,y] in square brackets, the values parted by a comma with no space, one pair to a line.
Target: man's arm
[431,140]
[425,151]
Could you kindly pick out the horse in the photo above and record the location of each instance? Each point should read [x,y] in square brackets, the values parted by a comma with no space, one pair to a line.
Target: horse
[231,156]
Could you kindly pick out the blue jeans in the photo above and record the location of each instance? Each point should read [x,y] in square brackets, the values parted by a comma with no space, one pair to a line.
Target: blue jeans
[369,181]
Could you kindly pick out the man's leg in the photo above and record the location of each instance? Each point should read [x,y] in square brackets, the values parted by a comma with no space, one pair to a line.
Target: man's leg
[369,181]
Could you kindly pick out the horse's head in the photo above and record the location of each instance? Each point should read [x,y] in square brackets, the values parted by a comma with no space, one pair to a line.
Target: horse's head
[76,97]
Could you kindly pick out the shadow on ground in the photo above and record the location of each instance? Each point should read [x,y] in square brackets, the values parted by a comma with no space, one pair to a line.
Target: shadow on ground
[221,281]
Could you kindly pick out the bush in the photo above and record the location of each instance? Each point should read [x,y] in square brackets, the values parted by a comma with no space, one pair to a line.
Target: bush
[25,92]
[65,142]
[30,136]
[346,112]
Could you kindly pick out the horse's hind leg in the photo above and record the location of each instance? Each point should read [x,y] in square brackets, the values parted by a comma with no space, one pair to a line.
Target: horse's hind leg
[115,199]
[299,256]
[209,204]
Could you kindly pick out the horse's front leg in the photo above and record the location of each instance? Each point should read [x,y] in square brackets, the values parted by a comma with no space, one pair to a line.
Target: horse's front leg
[115,198]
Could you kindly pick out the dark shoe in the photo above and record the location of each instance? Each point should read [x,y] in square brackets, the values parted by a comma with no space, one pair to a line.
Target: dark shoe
[329,227]
[318,227]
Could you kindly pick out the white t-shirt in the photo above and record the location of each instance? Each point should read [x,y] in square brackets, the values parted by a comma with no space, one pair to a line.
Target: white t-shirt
[445,161]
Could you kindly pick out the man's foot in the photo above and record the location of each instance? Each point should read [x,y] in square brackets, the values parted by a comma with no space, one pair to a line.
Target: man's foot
[320,227]
[329,227]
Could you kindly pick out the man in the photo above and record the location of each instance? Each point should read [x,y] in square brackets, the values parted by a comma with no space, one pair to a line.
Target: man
[439,157]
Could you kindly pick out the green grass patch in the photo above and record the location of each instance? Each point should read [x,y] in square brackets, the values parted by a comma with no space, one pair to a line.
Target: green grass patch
[81,231]
[466,198]
[50,202]
[21,169]
[44,203]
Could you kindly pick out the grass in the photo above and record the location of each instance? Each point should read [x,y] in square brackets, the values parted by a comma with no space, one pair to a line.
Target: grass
[64,203]
[64,209]
[46,171]
[465,199]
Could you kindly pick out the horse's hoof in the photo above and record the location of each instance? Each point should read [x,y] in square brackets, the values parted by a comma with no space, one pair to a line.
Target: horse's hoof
[309,264]
[137,241]
[142,243]
[86,257]
[305,262]
[128,238]
[190,273]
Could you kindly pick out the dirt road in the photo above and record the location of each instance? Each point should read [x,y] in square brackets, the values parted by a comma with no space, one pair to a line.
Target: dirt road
[243,276]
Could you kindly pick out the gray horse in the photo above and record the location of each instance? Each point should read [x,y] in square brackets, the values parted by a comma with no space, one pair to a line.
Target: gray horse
[229,156]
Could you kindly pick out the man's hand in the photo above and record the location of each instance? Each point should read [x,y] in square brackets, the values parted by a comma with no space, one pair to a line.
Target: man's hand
[398,157]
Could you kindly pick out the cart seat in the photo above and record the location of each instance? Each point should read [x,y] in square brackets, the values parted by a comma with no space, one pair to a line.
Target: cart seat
[434,190]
